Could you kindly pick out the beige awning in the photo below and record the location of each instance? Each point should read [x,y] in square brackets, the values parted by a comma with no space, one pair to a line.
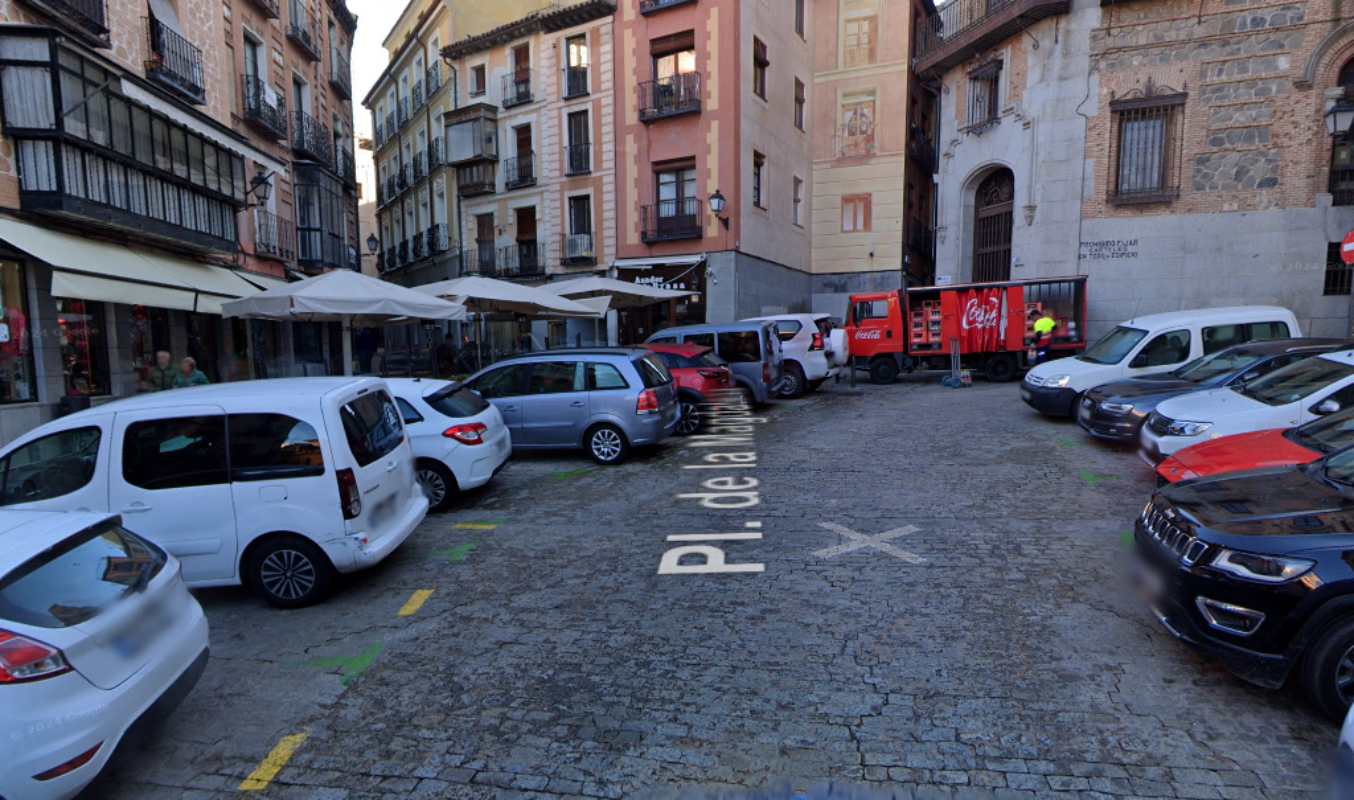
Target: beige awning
[90,269]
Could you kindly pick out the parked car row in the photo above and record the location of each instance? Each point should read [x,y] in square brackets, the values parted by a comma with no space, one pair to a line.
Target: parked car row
[1243,550]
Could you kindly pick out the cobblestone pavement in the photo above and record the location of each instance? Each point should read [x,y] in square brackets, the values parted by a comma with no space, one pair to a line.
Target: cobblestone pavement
[995,653]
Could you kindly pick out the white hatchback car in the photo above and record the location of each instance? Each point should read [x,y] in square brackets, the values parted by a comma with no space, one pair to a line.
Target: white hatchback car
[459,438]
[99,639]
[276,484]
[1287,397]
[807,346]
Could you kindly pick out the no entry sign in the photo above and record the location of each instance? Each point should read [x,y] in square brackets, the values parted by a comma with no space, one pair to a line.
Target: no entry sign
[1347,248]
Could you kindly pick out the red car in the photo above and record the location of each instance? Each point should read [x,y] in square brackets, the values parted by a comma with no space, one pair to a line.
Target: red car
[1260,449]
[698,372]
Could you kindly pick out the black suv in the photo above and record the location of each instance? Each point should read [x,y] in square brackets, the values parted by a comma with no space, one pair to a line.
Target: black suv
[1257,570]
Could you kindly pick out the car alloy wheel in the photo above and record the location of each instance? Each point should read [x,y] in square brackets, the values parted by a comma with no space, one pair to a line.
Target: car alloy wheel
[691,418]
[287,574]
[606,444]
[1344,677]
[434,485]
[789,384]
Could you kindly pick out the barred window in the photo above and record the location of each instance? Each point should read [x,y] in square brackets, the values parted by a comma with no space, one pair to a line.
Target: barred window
[984,104]
[1147,142]
[1338,273]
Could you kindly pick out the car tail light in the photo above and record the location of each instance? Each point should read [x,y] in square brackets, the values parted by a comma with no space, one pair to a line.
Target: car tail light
[470,433]
[23,659]
[349,497]
[647,403]
[766,372]
[817,342]
[70,766]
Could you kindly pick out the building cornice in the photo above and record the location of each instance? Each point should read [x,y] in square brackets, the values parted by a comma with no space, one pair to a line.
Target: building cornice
[535,22]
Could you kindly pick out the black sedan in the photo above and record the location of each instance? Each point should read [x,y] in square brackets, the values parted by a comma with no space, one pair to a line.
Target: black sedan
[1116,411]
[1257,570]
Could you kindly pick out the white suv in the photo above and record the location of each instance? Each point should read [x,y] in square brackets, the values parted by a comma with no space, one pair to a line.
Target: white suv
[459,438]
[273,484]
[806,343]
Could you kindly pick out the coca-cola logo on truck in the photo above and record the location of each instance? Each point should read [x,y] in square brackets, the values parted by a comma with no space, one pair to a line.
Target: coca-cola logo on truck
[868,334]
[982,314]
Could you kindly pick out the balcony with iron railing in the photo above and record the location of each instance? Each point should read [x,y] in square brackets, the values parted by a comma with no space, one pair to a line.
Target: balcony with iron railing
[521,260]
[420,169]
[961,28]
[647,7]
[671,220]
[576,250]
[390,259]
[87,18]
[478,178]
[391,190]
[406,175]
[303,30]
[416,246]
[516,89]
[265,108]
[345,165]
[402,111]
[378,133]
[274,236]
[416,95]
[435,153]
[479,259]
[270,8]
[438,238]
[340,74]
[670,97]
[519,172]
[578,158]
[311,139]
[175,62]
[404,252]
[433,78]
[392,125]
[575,82]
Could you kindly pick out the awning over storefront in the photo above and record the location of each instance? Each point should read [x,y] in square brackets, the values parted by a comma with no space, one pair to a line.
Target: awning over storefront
[657,261]
[89,269]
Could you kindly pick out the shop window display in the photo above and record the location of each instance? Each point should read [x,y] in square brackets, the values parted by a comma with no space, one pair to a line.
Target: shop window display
[84,347]
[16,354]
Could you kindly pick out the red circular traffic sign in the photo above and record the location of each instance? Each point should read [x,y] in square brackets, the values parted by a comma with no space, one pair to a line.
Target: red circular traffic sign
[1347,249]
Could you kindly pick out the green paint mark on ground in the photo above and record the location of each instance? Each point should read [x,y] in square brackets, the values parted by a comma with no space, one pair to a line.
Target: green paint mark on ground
[1066,443]
[1126,539]
[350,668]
[571,473]
[458,553]
[1092,479]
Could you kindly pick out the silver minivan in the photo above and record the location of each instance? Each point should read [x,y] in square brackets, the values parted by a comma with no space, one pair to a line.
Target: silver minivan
[604,400]
[752,349]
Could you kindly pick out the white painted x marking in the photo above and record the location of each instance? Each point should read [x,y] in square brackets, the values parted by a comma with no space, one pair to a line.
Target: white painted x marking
[860,541]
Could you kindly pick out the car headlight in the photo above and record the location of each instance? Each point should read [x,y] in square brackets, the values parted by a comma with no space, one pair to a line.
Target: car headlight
[1117,408]
[1058,381]
[1183,427]
[1266,569]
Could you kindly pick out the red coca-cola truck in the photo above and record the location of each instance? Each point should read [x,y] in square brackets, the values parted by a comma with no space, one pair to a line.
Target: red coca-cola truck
[993,324]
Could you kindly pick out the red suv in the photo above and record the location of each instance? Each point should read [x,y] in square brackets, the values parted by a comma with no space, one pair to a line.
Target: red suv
[698,371]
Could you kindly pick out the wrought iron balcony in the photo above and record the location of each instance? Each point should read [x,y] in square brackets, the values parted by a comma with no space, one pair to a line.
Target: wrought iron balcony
[647,7]
[575,82]
[416,246]
[175,63]
[479,259]
[391,260]
[578,159]
[521,260]
[670,97]
[392,125]
[519,172]
[402,111]
[391,189]
[962,28]
[345,166]
[303,30]
[416,95]
[87,17]
[438,240]
[433,79]
[576,249]
[419,170]
[340,74]
[406,175]
[435,153]
[311,139]
[404,252]
[670,220]
[274,236]
[265,108]
[269,8]
[476,179]
[516,89]
[378,133]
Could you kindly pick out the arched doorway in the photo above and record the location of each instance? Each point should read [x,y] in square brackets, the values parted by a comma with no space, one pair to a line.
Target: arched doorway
[994,206]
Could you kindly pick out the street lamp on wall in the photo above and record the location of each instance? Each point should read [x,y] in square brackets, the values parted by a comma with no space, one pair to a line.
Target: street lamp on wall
[1339,118]
[373,244]
[717,206]
[260,186]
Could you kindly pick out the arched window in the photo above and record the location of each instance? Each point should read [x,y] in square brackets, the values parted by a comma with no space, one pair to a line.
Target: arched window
[1341,183]
[994,205]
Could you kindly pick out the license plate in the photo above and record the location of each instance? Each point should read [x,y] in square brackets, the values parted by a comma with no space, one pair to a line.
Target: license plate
[1148,580]
[133,639]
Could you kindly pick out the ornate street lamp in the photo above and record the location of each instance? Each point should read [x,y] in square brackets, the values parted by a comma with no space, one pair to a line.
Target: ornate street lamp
[717,206]
[1339,118]
[373,244]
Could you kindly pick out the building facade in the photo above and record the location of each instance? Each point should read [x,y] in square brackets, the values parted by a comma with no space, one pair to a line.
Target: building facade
[1179,156]
[149,172]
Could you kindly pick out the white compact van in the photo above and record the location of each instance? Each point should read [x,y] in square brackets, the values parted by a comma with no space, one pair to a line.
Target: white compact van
[1148,345]
[273,484]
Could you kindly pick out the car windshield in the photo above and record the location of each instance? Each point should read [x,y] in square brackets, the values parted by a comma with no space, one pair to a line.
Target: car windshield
[1326,435]
[1223,362]
[1114,346]
[1292,383]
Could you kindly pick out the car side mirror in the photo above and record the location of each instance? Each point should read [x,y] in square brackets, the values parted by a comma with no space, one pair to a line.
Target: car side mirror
[1327,407]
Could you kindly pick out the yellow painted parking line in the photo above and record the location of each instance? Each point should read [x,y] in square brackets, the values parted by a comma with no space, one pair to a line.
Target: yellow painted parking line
[415,602]
[474,526]
[273,763]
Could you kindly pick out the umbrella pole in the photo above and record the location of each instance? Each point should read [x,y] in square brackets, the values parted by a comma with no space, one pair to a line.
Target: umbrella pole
[347,346]
[479,342]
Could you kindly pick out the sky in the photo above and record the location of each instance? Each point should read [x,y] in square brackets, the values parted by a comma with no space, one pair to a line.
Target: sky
[374,20]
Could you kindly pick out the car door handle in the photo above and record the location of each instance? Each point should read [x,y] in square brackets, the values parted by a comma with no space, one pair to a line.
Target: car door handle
[509,408]
[577,404]
[391,466]
[138,508]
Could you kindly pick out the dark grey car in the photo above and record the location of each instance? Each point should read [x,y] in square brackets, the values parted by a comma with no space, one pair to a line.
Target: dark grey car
[604,400]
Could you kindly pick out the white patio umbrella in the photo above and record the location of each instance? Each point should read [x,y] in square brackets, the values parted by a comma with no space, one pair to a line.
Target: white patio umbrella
[347,297]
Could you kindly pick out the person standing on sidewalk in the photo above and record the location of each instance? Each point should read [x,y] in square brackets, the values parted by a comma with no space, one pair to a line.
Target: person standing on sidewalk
[161,375]
[189,374]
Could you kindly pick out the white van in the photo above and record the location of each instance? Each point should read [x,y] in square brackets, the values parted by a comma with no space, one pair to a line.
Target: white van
[274,484]
[1148,345]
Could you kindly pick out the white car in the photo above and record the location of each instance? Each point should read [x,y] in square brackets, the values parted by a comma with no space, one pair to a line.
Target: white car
[1149,345]
[1287,397]
[807,346]
[99,638]
[274,484]
[1343,777]
[459,438]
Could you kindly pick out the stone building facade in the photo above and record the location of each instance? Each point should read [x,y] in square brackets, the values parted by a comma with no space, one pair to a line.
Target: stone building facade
[1176,153]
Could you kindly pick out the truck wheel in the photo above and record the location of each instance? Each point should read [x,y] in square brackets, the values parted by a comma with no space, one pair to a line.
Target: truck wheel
[1327,671]
[883,370]
[1000,368]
